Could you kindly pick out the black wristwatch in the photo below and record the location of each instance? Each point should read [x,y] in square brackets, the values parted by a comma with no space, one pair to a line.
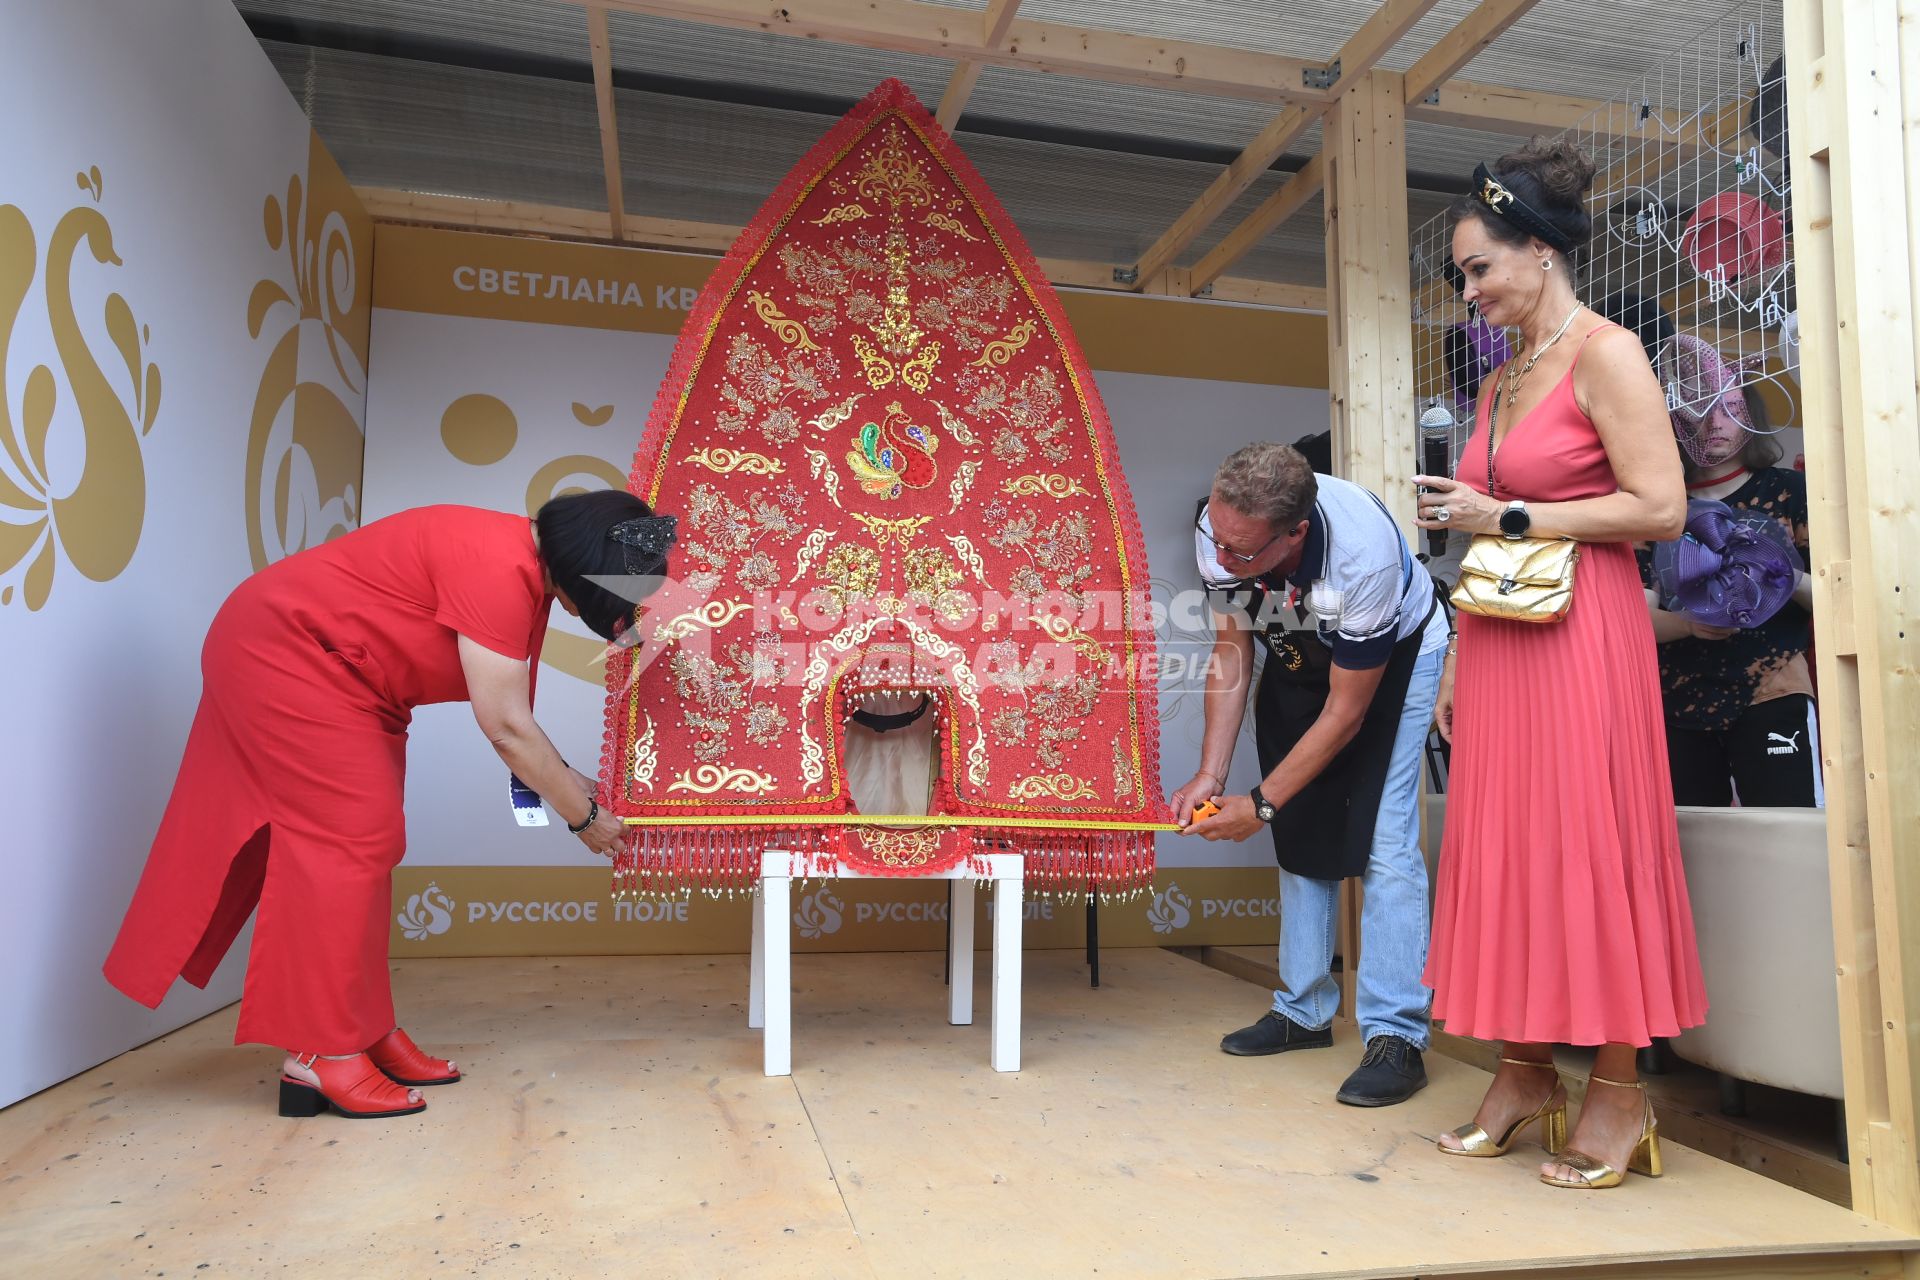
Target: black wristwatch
[1262,807]
[1514,521]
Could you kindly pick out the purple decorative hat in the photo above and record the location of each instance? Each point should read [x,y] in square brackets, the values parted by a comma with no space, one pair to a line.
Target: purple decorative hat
[1729,569]
[1698,377]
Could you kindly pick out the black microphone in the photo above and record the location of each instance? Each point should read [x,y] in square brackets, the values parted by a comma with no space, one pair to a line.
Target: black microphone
[1436,459]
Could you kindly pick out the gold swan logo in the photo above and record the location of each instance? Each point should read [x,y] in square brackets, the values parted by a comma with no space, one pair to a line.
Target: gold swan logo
[305,445]
[96,517]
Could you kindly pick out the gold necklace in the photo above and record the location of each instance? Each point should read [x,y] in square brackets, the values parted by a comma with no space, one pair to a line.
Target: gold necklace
[1516,377]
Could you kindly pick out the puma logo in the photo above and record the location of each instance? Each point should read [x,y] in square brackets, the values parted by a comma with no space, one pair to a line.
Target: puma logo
[1789,744]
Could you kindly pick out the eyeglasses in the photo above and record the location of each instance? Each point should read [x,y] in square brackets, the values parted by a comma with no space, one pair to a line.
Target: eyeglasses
[1200,527]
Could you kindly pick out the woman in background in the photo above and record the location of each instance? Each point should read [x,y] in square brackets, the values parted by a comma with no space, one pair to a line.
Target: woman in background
[1739,701]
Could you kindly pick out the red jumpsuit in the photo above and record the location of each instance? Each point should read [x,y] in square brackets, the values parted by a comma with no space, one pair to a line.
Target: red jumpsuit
[289,795]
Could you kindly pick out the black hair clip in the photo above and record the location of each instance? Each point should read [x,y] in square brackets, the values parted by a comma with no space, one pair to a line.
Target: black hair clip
[1507,204]
[646,540]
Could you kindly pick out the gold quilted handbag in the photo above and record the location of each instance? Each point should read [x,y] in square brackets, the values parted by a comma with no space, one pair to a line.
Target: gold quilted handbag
[1519,579]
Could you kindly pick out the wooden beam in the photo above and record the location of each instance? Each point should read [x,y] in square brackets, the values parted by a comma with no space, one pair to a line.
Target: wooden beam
[1365,47]
[602,53]
[1267,293]
[1493,108]
[556,222]
[966,74]
[1856,222]
[1531,114]
[1385,28]
[1463,44]
[1177,65]
[999,18]
[1883,1265]
[1225,189]
[1259,224]
[1369,293]
[939,31]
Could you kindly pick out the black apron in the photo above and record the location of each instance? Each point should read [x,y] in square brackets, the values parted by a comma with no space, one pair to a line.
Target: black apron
[1326,831]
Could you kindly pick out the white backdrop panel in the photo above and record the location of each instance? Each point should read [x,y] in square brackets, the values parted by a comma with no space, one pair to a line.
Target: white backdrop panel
[190,129]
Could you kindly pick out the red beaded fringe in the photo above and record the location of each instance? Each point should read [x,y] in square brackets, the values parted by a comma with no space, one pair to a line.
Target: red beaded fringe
[1065,866]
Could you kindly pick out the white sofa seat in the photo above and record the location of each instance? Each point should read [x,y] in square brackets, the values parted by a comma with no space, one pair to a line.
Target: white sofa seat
[1762,909]
[1762,915]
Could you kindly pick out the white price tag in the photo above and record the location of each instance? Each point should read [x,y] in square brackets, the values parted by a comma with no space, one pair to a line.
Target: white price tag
[528,811]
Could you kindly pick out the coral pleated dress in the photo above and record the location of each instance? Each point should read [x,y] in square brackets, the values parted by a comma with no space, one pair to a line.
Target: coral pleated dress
[289,794]
[1561,910]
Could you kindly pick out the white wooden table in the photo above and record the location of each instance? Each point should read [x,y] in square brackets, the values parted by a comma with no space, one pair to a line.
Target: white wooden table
[770,1001]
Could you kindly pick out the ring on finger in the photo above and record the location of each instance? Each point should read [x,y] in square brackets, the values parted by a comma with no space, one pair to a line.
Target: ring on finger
[1442,515]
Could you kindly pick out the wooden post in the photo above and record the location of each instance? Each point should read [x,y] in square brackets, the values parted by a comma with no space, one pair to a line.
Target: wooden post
[1856,220]
[1369,298]
[1369,333]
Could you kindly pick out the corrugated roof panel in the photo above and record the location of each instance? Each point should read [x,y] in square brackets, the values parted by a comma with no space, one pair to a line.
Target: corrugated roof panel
[454,129]
[546,28]
[663,46]
[393,122]
[1014,93]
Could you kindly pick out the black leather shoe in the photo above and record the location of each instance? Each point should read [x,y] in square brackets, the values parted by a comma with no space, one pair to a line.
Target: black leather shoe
[1275,1033]
[1390,1071]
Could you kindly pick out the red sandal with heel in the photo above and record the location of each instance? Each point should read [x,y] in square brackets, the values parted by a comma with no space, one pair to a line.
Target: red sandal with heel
[396,1054]
[354,1087]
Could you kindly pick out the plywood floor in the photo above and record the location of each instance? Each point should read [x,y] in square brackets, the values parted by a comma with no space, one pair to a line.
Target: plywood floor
[1787,1136]
[615,1122]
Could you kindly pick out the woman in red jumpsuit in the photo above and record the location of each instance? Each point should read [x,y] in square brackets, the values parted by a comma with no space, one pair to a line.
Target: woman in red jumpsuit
[289,795]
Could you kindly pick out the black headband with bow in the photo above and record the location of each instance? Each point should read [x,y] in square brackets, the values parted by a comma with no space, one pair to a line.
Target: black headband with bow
[1514,211]
[645,541]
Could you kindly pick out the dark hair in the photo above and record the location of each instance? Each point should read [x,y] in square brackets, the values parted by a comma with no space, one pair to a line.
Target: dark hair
[1551,176]
[1762,448]
[1647,318]
[576,544]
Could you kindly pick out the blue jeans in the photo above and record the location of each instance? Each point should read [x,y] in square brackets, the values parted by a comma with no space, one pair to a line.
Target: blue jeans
[1394,915]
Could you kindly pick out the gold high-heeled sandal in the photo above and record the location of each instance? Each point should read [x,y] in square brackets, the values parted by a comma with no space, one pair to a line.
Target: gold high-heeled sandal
[1552,1115]
[1597,1175]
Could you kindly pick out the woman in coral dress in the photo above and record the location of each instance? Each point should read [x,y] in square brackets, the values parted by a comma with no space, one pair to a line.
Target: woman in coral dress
[1561,912]
[289,795]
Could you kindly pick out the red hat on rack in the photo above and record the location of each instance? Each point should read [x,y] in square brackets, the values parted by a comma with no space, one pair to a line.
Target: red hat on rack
[1733,235]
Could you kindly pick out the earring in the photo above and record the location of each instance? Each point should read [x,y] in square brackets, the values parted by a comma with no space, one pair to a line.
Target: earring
[1546,264]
